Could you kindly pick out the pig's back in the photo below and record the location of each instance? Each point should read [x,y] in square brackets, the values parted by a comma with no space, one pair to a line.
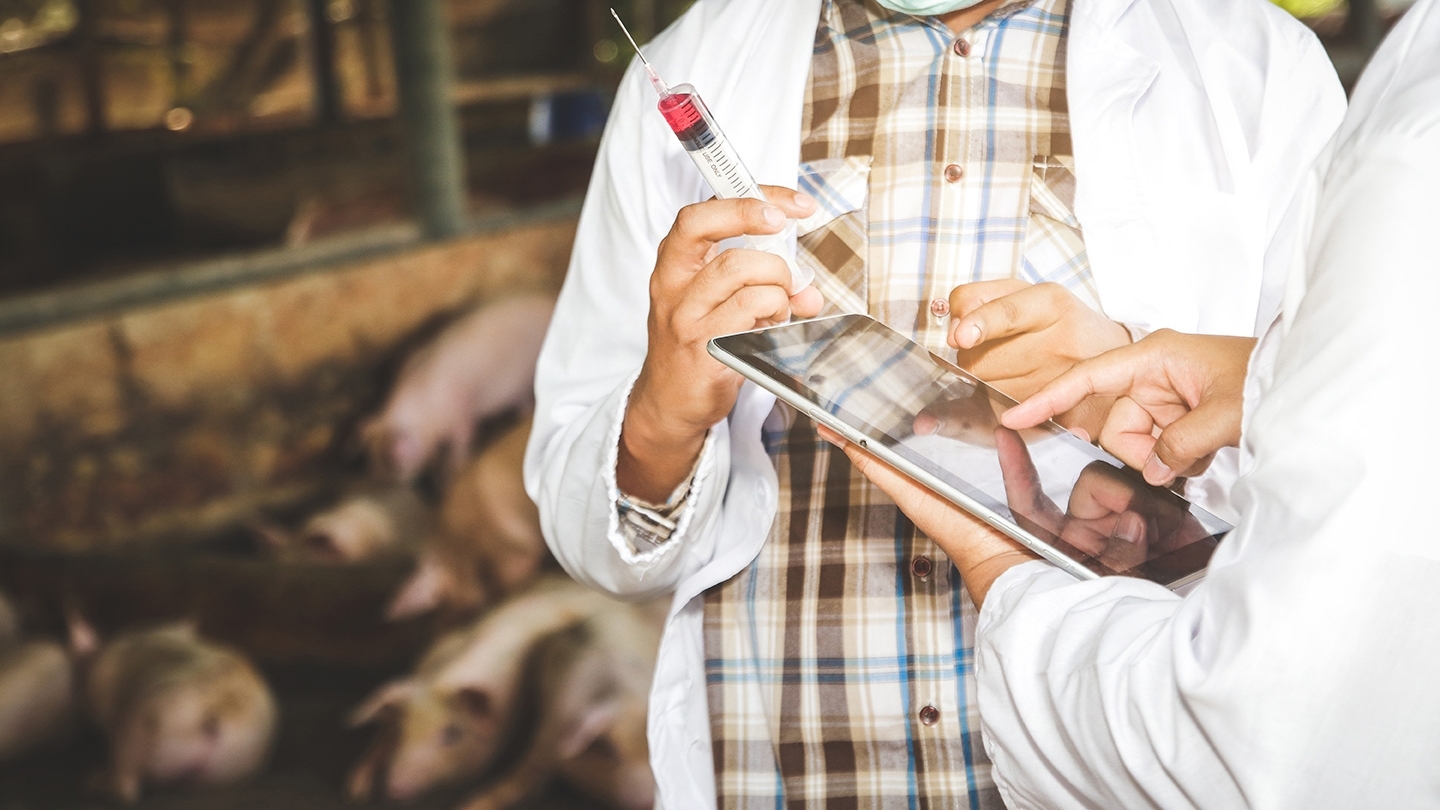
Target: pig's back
[492,649]
[496,348]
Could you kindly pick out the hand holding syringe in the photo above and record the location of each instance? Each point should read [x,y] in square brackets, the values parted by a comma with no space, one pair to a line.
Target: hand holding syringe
[715,157]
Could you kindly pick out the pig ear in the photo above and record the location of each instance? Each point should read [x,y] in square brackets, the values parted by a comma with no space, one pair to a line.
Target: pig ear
[379,441]
[84,641]
[596,720]
[270,536]
[388,695]
[476,701]
[423,591]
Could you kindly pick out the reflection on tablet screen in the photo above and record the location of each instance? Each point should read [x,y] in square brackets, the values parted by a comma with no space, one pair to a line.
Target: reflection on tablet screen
[1063,491]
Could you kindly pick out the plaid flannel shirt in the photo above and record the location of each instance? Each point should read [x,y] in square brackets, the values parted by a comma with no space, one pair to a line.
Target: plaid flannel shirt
[839,663]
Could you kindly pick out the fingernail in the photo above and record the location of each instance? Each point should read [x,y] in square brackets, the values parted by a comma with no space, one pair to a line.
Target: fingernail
[804,200]
[774,216]
[1156,472]
[1129,528]
[969,336]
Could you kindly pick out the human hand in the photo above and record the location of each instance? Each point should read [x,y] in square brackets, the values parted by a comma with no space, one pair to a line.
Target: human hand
[696,293]
[1189,388]
[980,553]
[1019,336]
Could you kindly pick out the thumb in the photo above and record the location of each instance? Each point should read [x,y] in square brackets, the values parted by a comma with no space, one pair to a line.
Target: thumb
[1192,439]
[795,204]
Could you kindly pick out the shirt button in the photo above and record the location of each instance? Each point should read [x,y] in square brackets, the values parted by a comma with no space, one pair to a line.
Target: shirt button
[962,47]
[922,567]
[929,715]
[954,172]
[939,307]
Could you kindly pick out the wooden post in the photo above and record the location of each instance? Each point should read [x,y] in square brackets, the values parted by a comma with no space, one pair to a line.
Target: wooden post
[322,63]
[424,74]
[92,80]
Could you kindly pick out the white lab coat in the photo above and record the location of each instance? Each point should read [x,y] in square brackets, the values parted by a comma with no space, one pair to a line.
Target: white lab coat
[1302,672]
[1192,124]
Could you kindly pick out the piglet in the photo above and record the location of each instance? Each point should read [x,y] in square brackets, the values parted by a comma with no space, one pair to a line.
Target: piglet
[37,696]
[593,682]
[177,709]
[369,522]
[480,366]
[447,721]
[489,544]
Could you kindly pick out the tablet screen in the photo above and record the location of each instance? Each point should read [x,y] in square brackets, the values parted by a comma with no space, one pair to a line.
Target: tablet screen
[1052,486]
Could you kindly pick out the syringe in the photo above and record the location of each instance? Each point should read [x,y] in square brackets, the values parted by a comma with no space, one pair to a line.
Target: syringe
[715,157]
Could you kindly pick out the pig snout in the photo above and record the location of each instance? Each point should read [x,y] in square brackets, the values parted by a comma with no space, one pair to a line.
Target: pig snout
[637,792]
[411,773]
[618,775]
[400,789]
[213,749]
[442,738]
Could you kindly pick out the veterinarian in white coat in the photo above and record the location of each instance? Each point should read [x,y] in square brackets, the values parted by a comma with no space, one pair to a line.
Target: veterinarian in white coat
[1193,125]
[1302,672]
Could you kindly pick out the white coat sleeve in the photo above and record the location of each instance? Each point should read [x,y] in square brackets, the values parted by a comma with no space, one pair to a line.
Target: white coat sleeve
[1301,672]
[1298,103]
[595,347]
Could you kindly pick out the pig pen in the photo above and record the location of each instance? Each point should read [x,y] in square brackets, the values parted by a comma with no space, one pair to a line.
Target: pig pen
[136,439]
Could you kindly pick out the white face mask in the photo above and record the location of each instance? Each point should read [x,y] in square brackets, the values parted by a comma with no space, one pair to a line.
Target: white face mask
[928,8]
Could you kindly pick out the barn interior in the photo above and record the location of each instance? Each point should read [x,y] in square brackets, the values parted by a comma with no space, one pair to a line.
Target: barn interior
[225,226]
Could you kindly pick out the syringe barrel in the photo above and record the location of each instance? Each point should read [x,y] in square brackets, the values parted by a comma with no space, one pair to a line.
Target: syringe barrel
[720,164]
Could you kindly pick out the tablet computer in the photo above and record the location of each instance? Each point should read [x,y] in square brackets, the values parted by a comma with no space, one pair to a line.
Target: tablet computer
[1067,500]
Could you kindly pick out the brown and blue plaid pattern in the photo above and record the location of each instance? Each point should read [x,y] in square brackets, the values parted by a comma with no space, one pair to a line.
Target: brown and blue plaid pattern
[839,669]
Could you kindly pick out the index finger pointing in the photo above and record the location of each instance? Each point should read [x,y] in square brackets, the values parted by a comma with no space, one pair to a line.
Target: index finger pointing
[1108,374]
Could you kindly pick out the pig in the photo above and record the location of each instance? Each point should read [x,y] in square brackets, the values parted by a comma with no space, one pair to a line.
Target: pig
[9,624]
[37,696]
[447,720]
[592,681]
[370,522]
[489,544]
[177,709]
[481,366]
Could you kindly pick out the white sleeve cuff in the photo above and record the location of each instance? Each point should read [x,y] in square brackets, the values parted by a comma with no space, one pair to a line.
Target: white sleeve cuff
[642,533]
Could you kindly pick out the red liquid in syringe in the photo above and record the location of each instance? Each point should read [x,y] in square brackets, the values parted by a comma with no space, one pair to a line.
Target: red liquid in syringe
[690,120]
[684,117]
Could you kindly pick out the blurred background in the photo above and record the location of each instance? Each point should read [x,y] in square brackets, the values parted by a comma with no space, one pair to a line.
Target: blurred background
[232,235]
